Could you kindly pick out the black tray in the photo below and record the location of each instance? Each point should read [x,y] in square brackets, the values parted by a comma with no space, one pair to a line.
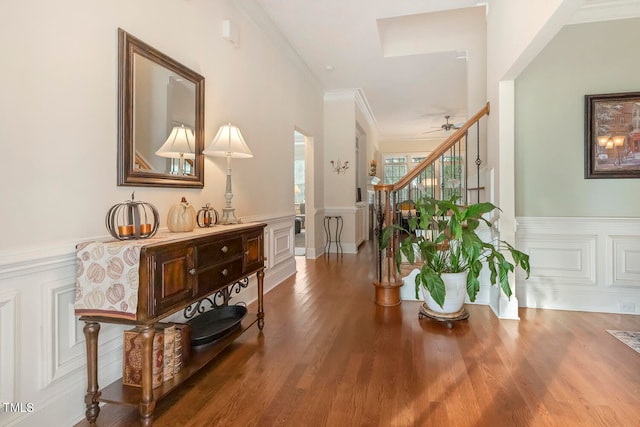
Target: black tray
[216,323]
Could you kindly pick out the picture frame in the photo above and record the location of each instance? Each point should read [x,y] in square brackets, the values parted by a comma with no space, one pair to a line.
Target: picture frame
[612,135]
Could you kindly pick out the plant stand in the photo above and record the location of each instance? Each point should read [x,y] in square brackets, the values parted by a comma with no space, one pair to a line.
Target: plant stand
[449,318]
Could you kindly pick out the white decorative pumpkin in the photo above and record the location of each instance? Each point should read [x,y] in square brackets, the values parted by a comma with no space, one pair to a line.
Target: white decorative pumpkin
[182,217]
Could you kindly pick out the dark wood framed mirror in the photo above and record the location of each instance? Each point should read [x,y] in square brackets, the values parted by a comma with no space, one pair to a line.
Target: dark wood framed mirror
[160,118]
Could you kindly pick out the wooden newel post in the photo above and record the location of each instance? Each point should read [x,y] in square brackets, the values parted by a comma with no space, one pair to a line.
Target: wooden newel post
[387,290]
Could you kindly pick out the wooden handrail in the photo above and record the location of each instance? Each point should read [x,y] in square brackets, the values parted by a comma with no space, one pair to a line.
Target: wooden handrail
[435,155]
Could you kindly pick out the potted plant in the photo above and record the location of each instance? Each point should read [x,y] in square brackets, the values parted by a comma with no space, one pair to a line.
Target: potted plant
[448,247]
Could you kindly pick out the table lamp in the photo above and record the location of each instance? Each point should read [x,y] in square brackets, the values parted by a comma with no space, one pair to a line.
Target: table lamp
[228,143]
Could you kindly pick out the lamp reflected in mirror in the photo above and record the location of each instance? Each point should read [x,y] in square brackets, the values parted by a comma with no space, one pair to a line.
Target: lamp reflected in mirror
[179,145]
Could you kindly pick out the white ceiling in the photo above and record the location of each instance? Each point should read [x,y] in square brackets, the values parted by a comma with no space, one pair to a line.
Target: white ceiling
[406,56]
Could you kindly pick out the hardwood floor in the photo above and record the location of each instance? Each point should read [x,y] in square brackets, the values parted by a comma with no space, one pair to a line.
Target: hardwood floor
[329,357]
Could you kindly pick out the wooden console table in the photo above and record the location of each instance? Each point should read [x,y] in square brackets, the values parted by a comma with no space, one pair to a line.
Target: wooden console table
[176,271]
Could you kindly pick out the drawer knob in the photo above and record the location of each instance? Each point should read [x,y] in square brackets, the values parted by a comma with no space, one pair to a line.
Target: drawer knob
[224,249]
[192,272]
[225,272]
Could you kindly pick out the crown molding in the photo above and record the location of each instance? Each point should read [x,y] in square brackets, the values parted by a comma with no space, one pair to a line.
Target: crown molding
[365,108]
[360,99]
[256,14]
[606,10]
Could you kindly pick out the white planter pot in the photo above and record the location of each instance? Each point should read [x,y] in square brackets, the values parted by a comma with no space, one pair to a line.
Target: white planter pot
[456,291]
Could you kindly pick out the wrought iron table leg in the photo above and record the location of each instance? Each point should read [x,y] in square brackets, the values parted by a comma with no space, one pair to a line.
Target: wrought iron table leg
[339,224]
[327,233]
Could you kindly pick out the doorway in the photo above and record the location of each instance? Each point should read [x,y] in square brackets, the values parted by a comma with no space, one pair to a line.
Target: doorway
[300,193]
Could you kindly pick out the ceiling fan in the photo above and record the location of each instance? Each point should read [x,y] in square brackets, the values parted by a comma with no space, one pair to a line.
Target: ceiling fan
[446,126]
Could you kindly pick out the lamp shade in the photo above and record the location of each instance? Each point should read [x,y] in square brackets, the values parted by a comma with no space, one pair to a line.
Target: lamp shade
[228,143]
[180,143]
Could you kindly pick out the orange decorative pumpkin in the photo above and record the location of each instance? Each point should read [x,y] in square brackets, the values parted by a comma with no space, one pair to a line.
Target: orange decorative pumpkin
[182,217]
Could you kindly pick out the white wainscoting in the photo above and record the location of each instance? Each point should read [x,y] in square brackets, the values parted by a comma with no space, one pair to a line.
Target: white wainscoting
[9,346]
[281,239]
[42,345]
[586,264]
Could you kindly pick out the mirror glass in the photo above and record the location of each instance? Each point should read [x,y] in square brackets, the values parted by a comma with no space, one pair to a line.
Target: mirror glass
[161,110]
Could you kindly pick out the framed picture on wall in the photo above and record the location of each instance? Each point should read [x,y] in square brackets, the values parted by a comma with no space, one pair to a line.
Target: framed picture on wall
[612,135]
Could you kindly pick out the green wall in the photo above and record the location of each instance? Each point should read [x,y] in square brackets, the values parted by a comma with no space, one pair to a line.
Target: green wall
[582,59]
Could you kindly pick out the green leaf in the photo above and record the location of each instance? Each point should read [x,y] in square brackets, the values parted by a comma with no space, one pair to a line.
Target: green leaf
[387,232]
[478,209]
[398,260]
[407,249]
[521,259]
[455,227]
[434,284]
[473,284]
[472,245]
[472,224]
[492,268]
[505,268]
[413,223]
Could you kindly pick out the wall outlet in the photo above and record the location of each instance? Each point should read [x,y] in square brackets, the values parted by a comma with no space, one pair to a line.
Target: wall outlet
[627,307]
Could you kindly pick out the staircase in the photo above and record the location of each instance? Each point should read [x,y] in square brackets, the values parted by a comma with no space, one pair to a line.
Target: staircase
[452,169]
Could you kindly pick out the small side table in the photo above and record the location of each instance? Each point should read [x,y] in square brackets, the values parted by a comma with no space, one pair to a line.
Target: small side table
[333,238]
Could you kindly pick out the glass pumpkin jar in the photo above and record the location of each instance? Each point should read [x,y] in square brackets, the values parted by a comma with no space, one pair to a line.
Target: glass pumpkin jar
[181,217]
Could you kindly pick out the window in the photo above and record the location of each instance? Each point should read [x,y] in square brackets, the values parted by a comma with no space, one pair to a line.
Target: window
[443,179]
[394,168]
[452,176]
[398,165]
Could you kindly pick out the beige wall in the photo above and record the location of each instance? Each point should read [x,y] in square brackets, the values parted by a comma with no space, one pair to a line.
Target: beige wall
[345,119]
[58,111]
[582,59]
[516,32]
[340,137]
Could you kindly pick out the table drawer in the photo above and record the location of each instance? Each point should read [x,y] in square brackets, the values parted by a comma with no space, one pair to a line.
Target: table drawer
[218,251]
[216,277]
